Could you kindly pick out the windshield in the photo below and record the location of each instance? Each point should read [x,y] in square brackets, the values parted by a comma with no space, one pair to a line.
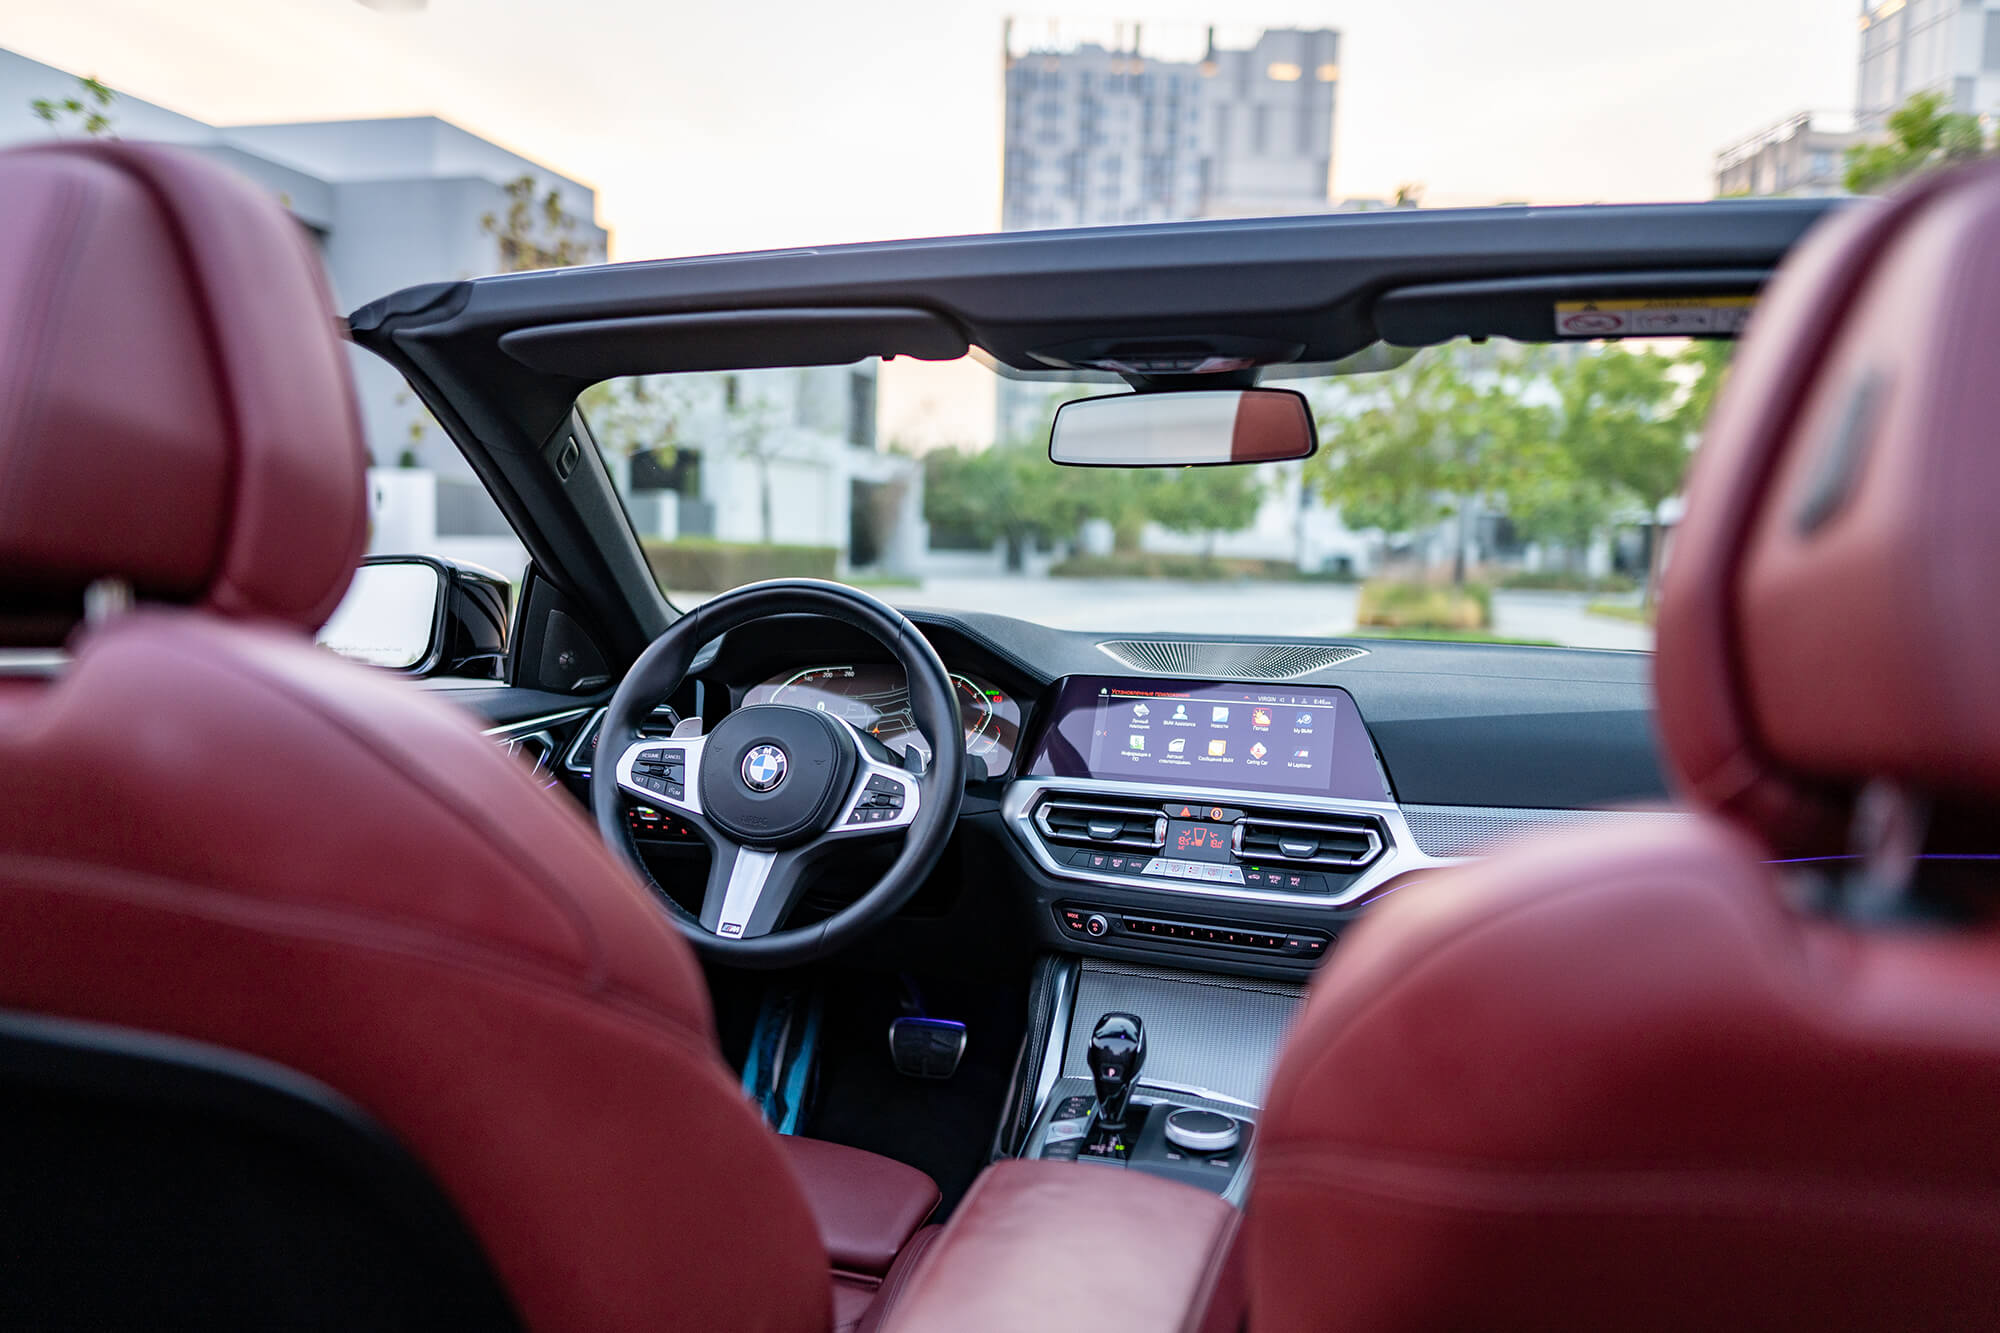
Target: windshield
[1499,492]
[1494,492]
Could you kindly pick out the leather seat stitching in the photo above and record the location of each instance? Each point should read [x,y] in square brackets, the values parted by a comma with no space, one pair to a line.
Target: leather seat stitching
[182,898]
[496,836]
[1542,896]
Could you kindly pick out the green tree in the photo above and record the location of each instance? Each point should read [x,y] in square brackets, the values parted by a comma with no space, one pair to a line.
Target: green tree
[88,112]
[1203,501]
[1011,493]
[1428,443]
[1621,426]
[1708,359]
[536,231]
[1922,135]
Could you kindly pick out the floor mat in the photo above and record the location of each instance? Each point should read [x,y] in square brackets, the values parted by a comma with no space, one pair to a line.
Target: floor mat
[943,1128]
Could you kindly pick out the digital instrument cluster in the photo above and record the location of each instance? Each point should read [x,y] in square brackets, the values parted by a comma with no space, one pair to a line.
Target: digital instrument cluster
[875,698]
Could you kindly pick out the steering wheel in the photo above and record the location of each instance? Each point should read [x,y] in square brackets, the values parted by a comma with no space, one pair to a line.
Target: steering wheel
[776,789]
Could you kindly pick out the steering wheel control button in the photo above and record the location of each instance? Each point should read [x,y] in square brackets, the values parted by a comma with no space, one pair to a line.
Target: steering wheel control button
[1202,1131]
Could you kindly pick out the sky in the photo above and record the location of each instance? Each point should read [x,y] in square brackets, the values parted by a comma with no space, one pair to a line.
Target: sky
[714,127]
[717,127]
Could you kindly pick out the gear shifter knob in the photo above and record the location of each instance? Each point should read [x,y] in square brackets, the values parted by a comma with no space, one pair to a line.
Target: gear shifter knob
[1117,1053]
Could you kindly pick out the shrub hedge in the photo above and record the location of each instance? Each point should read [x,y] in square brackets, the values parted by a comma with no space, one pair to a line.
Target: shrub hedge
[701,564]
[1393,604]
[1556,580]
[1166,565]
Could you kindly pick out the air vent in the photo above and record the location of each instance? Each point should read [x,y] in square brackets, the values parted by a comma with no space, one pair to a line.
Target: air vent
[1100,823]
[1227,660]
[1334,844]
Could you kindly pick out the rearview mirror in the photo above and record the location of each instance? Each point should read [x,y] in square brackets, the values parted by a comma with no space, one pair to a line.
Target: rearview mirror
[1197,428]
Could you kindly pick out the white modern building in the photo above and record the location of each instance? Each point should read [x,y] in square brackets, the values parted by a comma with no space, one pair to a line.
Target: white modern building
[1111,127]
[785,456]
[1947,47]
[1121,123]
[1804,155]
[1950,47]
[396,202]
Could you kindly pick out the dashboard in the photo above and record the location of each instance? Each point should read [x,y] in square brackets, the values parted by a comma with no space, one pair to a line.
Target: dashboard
[1230,818]
[873,697]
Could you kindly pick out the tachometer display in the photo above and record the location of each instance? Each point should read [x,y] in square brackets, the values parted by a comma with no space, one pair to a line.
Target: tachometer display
[876,699]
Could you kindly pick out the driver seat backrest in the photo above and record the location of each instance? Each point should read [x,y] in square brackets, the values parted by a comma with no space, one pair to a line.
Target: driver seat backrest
[1630,1080]
[213,830]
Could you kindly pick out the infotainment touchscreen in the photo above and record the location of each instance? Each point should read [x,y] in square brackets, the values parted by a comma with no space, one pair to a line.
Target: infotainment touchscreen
[1295,740]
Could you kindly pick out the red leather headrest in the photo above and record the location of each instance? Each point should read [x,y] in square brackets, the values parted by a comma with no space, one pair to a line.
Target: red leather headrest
[1828,614]
[175,404]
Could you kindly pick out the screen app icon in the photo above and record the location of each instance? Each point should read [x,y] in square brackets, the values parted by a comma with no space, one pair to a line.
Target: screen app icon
[1138,741]
[1140,710]
[1302,754]
[1180,713]
[1218,714]
[1177,745]
[1258,751]
[1260,717]
[1304,720]
[1218,748]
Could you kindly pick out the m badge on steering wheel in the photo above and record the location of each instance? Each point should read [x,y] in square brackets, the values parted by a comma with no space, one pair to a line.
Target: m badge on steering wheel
[764,768]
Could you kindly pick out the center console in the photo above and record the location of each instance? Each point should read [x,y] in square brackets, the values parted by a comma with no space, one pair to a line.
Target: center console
[1195,848]
[1234,823]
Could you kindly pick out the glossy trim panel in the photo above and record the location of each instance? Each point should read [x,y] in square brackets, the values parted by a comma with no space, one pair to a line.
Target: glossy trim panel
[1400,854]
[533,724]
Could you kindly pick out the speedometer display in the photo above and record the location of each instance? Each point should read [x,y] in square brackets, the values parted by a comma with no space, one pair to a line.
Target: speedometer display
[875,699]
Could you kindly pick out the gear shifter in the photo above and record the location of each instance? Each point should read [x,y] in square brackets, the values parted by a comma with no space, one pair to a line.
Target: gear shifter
[1117,1053]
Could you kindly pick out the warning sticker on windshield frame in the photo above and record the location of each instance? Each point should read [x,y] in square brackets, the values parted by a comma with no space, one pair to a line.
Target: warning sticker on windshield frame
[1659,316]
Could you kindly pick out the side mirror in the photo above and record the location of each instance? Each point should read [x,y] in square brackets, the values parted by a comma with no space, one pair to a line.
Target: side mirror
[420,616]
[1197,428]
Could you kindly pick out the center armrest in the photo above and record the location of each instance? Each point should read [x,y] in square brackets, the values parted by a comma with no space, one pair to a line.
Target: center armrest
[1041,1245]
[866,1205]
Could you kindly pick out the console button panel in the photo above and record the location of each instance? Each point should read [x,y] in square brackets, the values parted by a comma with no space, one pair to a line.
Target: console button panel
[1082,921]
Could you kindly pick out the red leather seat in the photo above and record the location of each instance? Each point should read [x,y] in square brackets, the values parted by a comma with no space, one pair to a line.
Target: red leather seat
[1638,1081]
[211,828]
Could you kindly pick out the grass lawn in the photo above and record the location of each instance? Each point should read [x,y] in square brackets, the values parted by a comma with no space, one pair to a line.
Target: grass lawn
[1638,615]
[1446,636]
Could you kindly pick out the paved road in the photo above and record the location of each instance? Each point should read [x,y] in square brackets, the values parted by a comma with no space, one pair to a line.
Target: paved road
[1292,609]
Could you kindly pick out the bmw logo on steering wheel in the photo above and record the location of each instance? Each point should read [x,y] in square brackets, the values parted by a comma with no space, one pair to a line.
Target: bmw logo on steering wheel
[764,768]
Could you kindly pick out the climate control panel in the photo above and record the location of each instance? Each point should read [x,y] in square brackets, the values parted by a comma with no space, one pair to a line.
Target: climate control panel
[1245,850]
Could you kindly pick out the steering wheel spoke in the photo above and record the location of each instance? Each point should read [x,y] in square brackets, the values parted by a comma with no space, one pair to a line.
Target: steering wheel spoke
[884,798]
[750,890]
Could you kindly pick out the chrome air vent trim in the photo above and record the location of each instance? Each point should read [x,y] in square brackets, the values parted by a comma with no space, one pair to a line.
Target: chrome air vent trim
[1309,834]
[1147,814]
[1400,852]
[1227,659]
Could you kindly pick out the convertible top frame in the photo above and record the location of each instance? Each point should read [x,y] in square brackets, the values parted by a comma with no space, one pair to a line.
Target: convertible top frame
[500,360]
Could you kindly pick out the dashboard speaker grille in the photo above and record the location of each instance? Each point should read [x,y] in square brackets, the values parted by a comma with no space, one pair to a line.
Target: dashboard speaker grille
[1476,830]
[1229,660]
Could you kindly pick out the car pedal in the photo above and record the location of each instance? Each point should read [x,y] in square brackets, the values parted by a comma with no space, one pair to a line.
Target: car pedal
[926,1047]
